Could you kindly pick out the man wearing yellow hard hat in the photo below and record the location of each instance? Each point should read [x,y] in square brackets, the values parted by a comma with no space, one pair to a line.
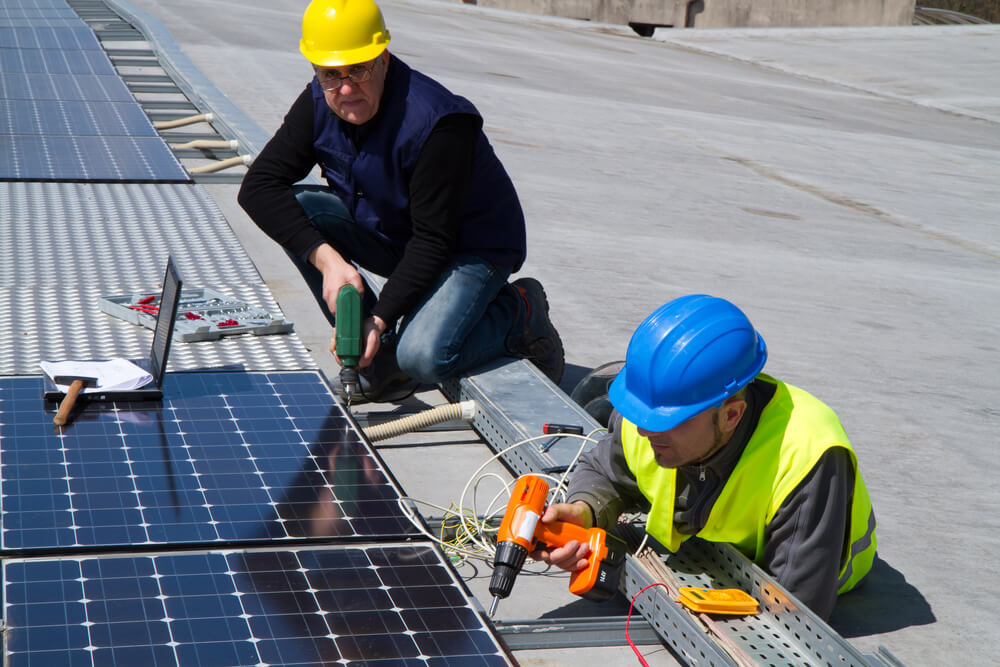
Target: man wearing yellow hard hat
[415,193]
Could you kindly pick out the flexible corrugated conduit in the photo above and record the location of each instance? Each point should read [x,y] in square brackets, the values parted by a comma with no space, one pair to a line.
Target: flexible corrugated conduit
[222,164]
[208,144]
[188,120]
[465,410]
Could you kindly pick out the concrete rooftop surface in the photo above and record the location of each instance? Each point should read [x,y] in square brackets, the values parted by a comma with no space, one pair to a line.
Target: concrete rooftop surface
[842,186]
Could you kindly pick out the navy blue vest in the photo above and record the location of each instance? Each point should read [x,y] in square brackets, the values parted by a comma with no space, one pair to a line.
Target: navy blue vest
[373,179]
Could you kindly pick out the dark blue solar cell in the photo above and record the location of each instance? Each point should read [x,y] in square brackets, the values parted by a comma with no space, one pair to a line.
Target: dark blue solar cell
[294,651]
[377,647]
[468,661]
[442,618]
[131,655]
[64,87]
[425,596]
[106,159]
[218,653]
[344,600]
[454,643]
[41,37]
[41,22]
[414,576]
[366,622]
[125,119]
[142,631]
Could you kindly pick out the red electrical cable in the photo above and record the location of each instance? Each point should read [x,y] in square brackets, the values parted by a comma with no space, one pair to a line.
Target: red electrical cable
[629,617]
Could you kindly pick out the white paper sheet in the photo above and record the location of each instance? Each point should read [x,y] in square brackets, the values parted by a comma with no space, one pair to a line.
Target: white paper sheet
[113,375]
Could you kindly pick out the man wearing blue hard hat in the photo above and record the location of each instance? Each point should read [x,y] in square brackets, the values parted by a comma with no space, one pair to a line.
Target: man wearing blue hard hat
[710,446]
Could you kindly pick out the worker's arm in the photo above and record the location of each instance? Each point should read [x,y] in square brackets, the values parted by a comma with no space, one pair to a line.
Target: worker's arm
[601,488]
[266,193]
[805,541]
[603,481]
[268,198]
[437,199]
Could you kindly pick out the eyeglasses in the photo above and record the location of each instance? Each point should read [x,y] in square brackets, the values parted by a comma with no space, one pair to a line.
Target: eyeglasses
[331,81]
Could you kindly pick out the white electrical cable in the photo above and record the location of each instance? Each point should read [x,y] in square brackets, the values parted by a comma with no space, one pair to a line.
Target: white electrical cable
[475,530]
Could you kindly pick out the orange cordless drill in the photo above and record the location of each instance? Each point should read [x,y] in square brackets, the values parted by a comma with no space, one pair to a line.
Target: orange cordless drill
[522,531]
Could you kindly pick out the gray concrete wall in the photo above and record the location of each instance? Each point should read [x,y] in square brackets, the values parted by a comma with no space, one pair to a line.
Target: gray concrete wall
[721,13]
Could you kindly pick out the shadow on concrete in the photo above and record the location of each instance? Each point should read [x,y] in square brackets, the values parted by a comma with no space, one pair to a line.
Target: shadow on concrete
[580,608]
[572,374]
[885,602]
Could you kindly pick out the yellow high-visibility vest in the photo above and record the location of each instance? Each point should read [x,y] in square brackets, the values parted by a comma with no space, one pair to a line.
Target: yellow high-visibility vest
[794,431]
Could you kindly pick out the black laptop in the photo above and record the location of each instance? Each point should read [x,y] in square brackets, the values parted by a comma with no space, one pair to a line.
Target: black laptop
[156,363]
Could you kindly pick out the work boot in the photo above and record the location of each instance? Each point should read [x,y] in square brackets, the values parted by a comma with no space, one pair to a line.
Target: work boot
[380,378]
[540,342]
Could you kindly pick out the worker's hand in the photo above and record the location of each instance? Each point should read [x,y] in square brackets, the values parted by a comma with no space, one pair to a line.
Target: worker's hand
[573,555]
[371,336]
[371,340]
[337,272]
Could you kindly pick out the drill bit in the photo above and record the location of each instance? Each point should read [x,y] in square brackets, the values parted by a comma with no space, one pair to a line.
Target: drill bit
[493,607]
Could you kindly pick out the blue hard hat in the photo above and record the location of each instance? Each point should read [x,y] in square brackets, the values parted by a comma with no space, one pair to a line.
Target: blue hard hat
[691,354]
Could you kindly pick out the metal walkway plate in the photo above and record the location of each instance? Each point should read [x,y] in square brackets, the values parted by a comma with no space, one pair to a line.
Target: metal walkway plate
[116,237]
[56,323]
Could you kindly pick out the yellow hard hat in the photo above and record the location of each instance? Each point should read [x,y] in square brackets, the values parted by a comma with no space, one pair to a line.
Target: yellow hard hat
[342,32]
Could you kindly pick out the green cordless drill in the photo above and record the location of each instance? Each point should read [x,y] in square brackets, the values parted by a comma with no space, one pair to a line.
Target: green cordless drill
[348,338]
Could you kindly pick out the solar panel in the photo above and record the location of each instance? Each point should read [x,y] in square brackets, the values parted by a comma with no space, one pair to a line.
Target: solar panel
[229,457]
[375,604]
[60,61]
[93,158]
[64,87]
[33,9]
[36,4]
[43,37]
[41,21]
[122,119]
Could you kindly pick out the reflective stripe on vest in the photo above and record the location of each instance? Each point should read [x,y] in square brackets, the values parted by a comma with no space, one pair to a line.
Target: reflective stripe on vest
[794,431]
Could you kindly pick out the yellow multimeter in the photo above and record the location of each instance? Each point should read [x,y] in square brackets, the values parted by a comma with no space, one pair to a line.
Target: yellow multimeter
[717,600]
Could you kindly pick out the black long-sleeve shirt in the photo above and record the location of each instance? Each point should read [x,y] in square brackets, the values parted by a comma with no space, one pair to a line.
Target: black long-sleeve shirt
[805,541]
[436,191]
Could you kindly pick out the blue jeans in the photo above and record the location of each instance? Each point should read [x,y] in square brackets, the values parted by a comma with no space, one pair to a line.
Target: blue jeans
[469,316]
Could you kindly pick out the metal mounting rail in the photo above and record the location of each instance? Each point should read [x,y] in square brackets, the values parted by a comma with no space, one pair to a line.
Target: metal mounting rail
[549,633]
[513,401]
[783,632]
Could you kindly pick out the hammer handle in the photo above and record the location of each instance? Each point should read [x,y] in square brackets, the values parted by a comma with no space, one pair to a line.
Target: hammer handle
[67,403]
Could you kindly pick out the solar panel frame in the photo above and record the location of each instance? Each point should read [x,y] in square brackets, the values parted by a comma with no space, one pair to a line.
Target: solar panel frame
[228,458]
[386,603]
